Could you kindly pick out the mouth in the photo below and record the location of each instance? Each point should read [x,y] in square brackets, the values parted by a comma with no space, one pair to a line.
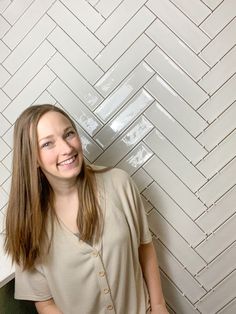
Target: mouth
[67,161]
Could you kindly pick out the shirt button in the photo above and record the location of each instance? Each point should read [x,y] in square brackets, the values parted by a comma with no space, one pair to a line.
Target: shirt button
[110,307]
[106,291]
[101,273]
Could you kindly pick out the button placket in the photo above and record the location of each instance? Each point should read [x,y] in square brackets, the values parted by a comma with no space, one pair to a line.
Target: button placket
[103,283]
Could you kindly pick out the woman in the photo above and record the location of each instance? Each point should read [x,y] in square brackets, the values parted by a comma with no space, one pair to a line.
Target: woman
[77,233]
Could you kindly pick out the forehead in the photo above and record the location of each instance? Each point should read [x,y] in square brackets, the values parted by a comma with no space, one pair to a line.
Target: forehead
[51,123]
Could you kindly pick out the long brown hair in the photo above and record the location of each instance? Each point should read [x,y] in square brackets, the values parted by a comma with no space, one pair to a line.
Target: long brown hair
[31,198]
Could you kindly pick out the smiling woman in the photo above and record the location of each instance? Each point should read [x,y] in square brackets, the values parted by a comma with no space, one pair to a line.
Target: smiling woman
[78,233]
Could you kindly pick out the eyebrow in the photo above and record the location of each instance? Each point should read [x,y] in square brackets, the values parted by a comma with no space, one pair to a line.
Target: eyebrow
[51,136]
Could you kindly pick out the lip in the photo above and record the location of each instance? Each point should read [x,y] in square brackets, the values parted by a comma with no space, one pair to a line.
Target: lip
[67,161]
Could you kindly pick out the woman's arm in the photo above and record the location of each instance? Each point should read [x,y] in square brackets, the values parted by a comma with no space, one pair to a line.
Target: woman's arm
[47,307]
[149,265]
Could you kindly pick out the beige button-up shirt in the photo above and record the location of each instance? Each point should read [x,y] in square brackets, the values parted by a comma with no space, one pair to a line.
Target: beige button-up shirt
[104,278]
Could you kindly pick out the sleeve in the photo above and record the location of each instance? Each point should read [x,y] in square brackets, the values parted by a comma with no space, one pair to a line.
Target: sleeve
[31,285]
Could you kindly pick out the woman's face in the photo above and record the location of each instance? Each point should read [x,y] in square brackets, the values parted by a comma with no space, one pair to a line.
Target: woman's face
[60,150]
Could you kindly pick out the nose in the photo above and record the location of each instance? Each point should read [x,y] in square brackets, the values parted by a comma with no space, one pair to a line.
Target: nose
[65,147]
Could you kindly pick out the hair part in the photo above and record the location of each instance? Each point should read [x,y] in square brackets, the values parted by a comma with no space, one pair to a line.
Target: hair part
[31,200]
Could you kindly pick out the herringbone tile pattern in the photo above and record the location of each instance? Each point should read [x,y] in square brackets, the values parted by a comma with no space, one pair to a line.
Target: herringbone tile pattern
[151,85]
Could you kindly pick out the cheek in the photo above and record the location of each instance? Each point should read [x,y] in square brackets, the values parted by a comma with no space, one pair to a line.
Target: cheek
[47,158]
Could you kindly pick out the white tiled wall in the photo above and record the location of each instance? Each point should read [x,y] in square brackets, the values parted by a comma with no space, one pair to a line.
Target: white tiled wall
[151,85]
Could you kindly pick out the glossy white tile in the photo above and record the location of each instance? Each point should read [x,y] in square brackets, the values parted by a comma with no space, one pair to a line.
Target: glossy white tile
[124,92]
[28,95]
[26,21]
[219,184]
[223,293]
[84,117]
[75,55]
[223,14]
[4,76]
[8,138]
[45,98]
[176,272]
[5,149]
[4,124]
[117,20]
[5,173]
[229,308]
[177,50]
[4,26]
[219,212]
[16,8]
[220,101]
[220,45]
[177,78]
[75,29]
[135,159]
[85,13]
[106,7]
[29,44]
[222,266]
[220,73]
[176,134]
[4,4]
[125,38]
[219,156]
[176,244]
[174,187]
[175,105]
[174,214]
[2,225]
[142,179]
[7,161]
[179,23]
[30,68]
[172,157]
[125,143]
[3,198]
[125,64]
[72,78]
[138,103]
[219,129]
[4,100]
[212,4]
[4,51]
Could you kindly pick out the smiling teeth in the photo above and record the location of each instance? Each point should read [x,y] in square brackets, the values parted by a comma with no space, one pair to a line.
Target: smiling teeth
[68,161]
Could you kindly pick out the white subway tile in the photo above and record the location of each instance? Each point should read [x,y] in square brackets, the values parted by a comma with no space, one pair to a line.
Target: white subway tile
[7,269]
[116,21]
[175,243]
[106,7]
[229,308]
[218,212]
[177,135]
[4,100]
[28,95]
[73,79]
[4,76]
[4,4]
[222,266]
[177,78]
[85,13]
[176,272]
[16,9]
[4,51]
[30,68]
[84,117]
[25,23]
[8,138]
[124,65]
[5,149]
[142,179]
[75,29]
[125,143]
[212,4]
[29,44]
[179,23]
[125,38]
[197,11]
[177,50]
[220,73]
[174,187]
[4,124]
[224,13]
[223,293]
[175,105]
[5,173]
[219,156]
[220,101]
[7,161]
[124,92]
[182,168]
[135,159]
[45,98]
[121,121]
[220,45]
[174,214]
[219,184]
[75,55]
[4,26]
[219,129]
